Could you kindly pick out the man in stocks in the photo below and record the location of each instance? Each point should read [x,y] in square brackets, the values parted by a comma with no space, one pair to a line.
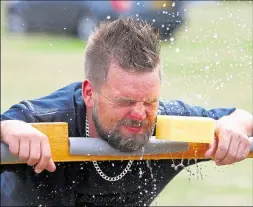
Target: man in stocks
[118,101]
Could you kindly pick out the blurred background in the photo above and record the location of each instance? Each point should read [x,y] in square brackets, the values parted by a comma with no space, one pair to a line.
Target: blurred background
[207,61]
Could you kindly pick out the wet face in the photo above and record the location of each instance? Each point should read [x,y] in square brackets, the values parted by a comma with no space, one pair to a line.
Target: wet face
[125,109]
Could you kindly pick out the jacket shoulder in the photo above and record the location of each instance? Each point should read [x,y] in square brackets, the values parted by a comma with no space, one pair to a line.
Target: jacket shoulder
[62,99]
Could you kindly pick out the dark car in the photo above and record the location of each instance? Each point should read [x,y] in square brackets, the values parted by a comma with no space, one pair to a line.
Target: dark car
[79,17]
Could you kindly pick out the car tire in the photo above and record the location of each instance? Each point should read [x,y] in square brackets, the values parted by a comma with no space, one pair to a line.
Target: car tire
[16,24]
[85,27]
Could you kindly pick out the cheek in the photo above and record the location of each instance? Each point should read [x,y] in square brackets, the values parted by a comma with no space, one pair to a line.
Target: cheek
[152,112]
[109,113]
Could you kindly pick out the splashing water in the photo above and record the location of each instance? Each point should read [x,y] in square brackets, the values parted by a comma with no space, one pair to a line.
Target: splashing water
[152,176]
[199,174]
[181,164]
[188,170]
[150,168]
[142,153]
[140,173]
[215,35]
[198,168]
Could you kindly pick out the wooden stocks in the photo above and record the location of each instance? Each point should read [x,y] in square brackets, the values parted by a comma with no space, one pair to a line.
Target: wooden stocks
[57,133]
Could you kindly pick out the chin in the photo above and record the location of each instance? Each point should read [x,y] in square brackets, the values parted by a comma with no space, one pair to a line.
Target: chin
[125,141]
[132,144]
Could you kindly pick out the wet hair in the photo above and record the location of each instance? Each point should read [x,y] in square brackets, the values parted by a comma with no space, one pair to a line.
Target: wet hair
[132,44]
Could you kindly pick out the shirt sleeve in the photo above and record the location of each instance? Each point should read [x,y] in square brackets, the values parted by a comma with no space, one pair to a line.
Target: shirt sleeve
[179,108]
[18,111]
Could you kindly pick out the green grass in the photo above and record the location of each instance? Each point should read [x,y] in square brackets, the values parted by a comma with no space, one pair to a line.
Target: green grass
[207,71]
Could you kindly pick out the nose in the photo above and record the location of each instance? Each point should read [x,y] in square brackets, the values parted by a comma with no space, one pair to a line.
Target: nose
[138,112]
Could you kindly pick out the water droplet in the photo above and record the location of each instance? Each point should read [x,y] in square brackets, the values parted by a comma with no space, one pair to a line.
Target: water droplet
[215,35]
[64,28]
[108,17]
[153,20]
[150,168]
[142,153]
[140,173]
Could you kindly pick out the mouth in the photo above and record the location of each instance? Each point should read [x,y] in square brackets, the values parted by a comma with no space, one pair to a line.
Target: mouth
[133,129]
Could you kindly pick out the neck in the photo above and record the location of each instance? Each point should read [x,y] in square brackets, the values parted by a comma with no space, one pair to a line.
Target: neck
[92,129]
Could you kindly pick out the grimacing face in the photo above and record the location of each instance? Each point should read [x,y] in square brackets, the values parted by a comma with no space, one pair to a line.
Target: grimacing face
[125,109]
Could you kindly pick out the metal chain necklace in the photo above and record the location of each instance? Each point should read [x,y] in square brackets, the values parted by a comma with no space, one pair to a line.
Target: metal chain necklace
[98,169]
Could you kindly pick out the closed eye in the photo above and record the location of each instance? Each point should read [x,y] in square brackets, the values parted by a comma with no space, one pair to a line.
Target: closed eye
[151,103]
[125,102]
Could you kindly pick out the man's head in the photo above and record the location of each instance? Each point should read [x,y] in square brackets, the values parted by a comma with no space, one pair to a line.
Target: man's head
[122,86]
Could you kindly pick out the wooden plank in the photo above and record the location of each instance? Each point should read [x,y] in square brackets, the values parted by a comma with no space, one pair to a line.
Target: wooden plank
[57,133]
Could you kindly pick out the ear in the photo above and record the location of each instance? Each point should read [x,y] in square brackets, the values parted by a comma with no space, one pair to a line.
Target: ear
[88,93]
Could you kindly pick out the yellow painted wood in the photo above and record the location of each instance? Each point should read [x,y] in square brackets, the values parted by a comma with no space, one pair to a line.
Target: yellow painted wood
[57,133]
[185,129]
